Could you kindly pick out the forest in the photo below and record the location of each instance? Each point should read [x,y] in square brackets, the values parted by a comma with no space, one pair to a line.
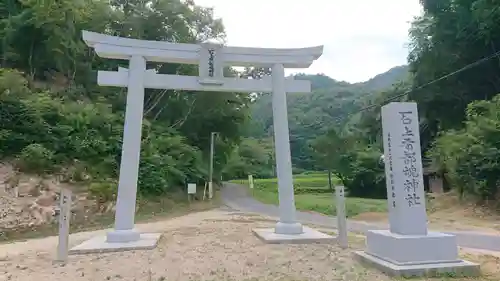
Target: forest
[55,119]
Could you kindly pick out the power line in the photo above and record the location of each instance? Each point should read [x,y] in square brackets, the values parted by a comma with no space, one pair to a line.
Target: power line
[471,65]
[438,79]
[478,62]
[340,118]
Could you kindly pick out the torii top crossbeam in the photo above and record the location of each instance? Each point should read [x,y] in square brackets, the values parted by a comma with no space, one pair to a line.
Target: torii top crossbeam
[114,47]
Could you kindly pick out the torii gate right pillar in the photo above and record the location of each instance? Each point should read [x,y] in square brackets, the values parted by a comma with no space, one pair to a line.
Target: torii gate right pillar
[288,229]
[287,223]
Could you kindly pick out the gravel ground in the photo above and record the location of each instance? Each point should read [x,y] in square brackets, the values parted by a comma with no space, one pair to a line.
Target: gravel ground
[213,245]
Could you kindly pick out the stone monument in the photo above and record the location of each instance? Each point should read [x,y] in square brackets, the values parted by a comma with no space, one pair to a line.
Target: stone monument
[408,248]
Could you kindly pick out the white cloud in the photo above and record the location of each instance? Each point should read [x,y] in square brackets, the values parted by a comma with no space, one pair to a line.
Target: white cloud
[362,38]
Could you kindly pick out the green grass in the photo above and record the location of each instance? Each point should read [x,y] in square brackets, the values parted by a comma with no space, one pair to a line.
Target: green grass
[313,194]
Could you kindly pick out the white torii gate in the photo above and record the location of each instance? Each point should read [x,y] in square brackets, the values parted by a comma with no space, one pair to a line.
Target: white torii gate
[211,59]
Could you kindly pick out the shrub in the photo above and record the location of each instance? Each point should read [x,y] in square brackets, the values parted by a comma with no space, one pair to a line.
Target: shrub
[104,191]
[366,177]
[470,156]
[35,158]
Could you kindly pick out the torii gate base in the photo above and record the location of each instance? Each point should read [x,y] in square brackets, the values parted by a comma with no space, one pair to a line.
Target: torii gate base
[99,244]
[212,59]
[308,236]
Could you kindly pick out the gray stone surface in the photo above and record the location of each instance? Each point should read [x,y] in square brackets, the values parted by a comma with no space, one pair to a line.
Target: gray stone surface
[235,197]
[451,269]
[98,244]
[309,236]
[412,249]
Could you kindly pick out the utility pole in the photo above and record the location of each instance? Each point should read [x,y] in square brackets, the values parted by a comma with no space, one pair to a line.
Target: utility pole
[211,170]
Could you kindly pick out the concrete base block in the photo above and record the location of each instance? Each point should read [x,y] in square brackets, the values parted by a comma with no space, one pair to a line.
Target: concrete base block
[434,254]
[99,244]
[308,236]
[399,249]
[450,269]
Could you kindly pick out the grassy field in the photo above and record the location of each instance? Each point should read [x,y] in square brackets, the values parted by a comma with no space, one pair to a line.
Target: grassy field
[313,194]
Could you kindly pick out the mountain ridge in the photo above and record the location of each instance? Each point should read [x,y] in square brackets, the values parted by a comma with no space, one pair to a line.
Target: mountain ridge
[312,114]
[378,82]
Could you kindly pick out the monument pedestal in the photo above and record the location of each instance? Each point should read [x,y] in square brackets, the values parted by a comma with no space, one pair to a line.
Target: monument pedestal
[412,249]
[415,255]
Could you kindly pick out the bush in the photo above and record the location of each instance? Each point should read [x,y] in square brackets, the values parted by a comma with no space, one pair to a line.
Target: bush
[365,177]
[166,164]
[35,158]
[104,191]
[76,172]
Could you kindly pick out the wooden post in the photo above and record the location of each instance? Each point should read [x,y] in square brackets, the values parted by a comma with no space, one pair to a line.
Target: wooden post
[250,181]
[64,218]
[341,218]
[205,188]
[330,179]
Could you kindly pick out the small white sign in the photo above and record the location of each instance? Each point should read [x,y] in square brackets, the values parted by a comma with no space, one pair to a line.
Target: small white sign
[64,217]
[191,188]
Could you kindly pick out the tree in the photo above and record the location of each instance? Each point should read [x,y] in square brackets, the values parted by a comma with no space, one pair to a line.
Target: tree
[451,35]
[330,154]
[53,105]
[470,156]
[353,161]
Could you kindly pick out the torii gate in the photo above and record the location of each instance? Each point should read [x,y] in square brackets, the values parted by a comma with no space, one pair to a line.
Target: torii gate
[211,59]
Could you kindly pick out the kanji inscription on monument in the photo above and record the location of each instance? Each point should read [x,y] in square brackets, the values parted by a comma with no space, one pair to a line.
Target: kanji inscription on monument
[404,179]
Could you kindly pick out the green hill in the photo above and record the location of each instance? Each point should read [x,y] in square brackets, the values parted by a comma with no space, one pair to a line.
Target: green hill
[313,113]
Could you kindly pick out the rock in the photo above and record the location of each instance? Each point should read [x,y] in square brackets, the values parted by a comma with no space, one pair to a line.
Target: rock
[29,185]
[50,185]
[45,200]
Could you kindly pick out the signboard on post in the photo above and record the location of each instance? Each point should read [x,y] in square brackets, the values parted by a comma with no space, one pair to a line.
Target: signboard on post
[191,190]
[64,218]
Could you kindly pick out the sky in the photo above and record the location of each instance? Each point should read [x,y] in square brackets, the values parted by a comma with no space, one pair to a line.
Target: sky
[361,38]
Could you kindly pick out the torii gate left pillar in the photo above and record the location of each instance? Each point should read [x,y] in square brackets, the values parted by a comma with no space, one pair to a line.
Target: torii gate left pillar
[211,60]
